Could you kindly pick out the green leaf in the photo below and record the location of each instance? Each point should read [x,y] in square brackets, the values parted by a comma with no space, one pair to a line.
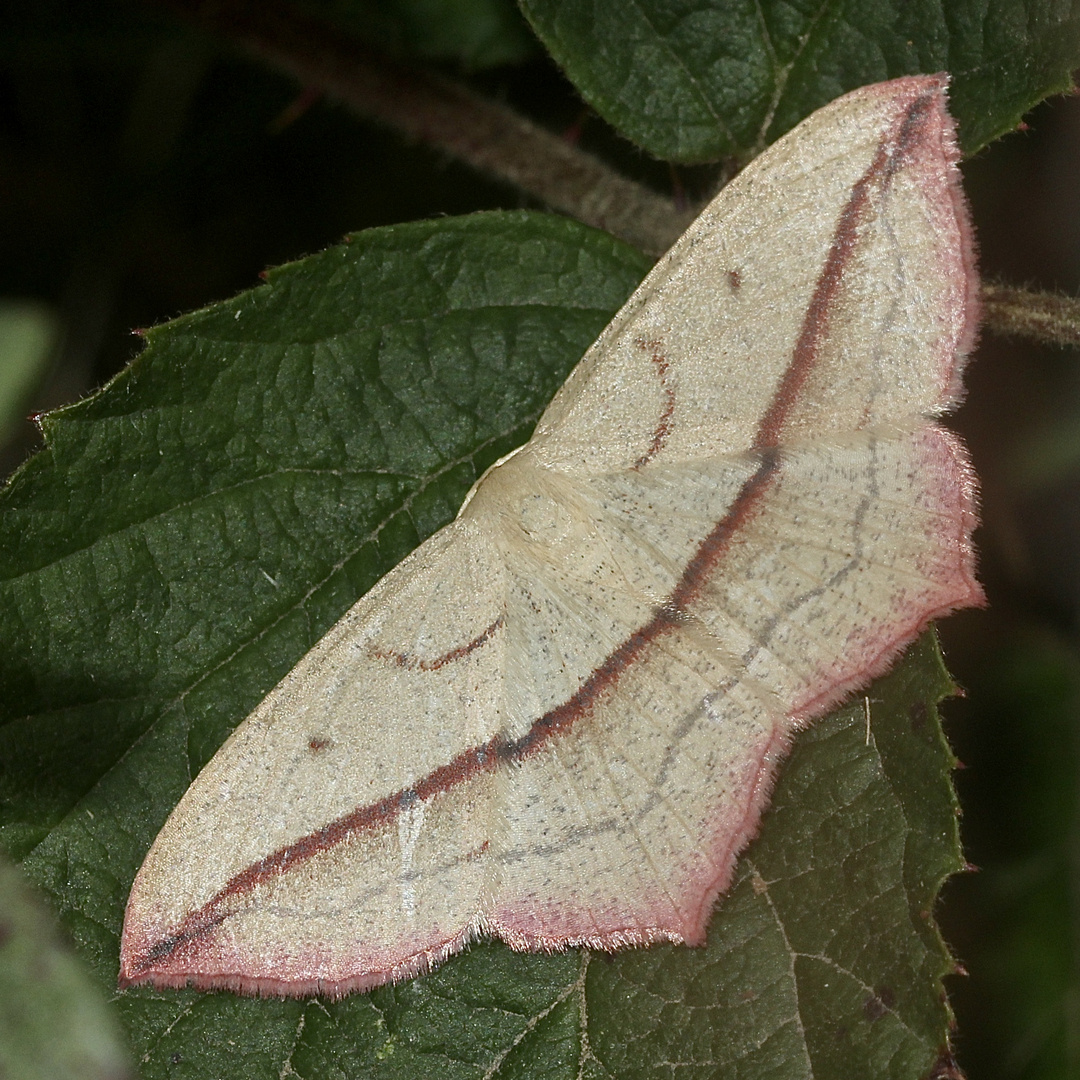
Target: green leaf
[54,1024]
[193,528]
[698,80]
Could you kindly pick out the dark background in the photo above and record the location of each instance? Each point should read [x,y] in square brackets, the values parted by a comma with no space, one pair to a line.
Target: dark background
[145,170]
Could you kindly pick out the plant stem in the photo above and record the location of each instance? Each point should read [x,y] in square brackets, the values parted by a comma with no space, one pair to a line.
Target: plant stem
[445,114]
[1045,317]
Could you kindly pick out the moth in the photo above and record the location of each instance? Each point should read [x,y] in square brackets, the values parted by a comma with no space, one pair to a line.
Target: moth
[558,721]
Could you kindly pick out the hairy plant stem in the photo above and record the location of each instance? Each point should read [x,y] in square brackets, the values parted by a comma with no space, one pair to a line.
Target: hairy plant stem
[1041,316]
[433,109]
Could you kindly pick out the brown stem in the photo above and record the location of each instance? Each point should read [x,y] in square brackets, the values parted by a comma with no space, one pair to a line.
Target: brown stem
[432,109]
[1045,317]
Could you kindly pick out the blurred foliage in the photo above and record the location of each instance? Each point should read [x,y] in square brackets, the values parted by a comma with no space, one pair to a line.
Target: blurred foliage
[54,1022]
[1015,921]
[28,333]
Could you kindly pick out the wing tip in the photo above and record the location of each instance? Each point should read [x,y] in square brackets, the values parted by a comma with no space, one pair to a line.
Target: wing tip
[937,147]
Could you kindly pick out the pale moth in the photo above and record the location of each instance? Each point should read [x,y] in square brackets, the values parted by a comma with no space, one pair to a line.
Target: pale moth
[558,721]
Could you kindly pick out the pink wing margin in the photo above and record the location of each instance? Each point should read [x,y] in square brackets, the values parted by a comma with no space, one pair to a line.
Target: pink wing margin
[922,141]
